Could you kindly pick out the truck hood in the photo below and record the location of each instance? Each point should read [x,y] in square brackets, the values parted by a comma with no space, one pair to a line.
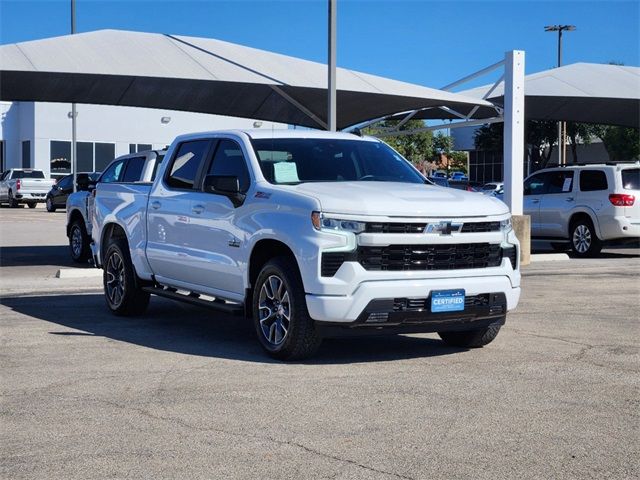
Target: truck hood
[400,200]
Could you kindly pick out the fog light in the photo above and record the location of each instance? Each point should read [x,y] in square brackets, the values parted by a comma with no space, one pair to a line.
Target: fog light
[377,317]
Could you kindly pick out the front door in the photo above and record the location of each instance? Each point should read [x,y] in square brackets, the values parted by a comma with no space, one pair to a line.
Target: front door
[534,188]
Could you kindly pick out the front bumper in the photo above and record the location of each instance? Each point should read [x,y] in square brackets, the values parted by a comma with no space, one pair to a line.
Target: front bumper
[348,310]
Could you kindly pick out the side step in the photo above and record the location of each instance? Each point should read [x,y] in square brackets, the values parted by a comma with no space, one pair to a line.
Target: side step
[195,299]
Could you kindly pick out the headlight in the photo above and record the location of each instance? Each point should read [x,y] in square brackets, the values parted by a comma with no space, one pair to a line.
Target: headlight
[505,225]
[320,222]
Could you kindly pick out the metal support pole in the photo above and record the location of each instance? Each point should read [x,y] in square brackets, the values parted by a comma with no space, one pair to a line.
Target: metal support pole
[514,130]
[331,80]
[560,126]
[74,114]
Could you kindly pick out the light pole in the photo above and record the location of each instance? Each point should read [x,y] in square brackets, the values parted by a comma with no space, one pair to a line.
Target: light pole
[562,126]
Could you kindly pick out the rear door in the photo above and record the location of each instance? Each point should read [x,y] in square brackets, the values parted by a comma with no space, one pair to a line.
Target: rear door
[169,229]
[556,204]
[534,188]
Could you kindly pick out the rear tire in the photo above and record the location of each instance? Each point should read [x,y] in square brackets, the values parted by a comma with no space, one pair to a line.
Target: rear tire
[49,204]
[471,338]
[79,242]
[584,241]
[122,288]
[13,203]
[32,204]
[281,319]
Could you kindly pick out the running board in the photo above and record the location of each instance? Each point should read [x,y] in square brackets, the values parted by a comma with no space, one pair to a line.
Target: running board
[194,299]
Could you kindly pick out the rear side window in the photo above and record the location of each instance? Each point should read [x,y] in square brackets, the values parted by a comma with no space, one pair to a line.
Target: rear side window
[187,160]
[133,173]
[631,179]
[112,173]
[229,160]
[593,180]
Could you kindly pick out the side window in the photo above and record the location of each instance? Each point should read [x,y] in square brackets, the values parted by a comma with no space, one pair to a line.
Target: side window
[560,182]
[133,173]
[66,183]
[186,162]
[157,163]
[229,160]
[112,174]
[536,185]
[593,180]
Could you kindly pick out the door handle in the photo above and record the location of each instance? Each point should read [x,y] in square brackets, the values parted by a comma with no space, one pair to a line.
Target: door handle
[197,209]
[569,199]
[156,205]
[535,200]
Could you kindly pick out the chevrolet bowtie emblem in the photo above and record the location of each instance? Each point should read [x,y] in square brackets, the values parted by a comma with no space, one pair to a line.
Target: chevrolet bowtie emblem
[443,228]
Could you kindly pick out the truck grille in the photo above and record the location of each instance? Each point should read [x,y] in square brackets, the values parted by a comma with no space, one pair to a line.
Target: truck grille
[467,227]
[430,257]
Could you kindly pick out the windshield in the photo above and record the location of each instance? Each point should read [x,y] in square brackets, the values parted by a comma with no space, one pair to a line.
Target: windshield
[291,161]
[28,174]
[631,179]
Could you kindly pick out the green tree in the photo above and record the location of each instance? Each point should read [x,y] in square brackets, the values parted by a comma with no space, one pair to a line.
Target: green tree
[621,143]
[415,147]
[458,161]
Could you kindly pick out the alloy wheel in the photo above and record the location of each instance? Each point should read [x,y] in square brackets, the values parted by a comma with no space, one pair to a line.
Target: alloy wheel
[274,310]
[115,279]
[582,238]
[76,241]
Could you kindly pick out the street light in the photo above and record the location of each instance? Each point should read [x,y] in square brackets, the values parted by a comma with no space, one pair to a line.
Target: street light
[562,126]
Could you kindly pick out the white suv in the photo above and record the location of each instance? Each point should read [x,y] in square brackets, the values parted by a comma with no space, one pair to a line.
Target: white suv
[587,205]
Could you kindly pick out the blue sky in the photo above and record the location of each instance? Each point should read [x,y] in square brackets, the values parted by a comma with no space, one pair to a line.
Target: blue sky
[426,42]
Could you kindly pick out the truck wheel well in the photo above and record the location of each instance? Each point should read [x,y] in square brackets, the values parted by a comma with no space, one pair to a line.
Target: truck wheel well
[111,231]
[579,216]
[262,252]
[75,215]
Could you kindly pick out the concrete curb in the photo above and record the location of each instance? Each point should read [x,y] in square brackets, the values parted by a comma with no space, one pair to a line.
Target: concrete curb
[548,257]
[79,273]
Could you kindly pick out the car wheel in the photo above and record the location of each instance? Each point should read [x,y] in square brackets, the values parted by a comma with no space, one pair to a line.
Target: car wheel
[471,338]
[13,203]
[282,322]
[584,241]
[79,242]
[122,289]
[50,206]
[32,204]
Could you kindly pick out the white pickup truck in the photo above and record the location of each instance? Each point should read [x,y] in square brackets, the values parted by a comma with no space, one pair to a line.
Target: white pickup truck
[311,234]
[135,167]
[24,185]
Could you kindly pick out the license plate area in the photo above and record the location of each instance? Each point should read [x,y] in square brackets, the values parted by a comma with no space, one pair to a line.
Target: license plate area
[447,300]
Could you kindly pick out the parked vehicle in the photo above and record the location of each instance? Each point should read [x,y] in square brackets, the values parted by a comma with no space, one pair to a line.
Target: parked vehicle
[24,185]
[439,174]
[442,181]
[459,176]
[135,167]
[60,191]
[492,188]
[587,206]
[311,234]
[465,185]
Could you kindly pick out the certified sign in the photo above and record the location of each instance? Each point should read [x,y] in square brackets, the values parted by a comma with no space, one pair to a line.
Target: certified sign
[447,300]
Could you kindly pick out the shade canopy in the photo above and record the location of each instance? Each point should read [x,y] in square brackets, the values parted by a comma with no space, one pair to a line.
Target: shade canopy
[581,92]
[114,67]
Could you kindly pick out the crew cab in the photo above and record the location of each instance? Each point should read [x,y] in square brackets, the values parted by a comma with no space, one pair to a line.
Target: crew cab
[24,185]
[311,234]
[135,167]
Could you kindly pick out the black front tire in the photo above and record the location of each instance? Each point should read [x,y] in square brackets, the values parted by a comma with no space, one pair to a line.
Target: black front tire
[123,290]
[49,204]
[79,242]
[470,338]
[584,240]
[301,339]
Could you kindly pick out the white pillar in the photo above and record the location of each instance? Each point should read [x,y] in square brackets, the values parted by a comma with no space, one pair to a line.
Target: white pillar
[331,81]
[513,149]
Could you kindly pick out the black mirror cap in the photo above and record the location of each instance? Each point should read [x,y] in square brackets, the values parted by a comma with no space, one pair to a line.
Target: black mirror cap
[225,184]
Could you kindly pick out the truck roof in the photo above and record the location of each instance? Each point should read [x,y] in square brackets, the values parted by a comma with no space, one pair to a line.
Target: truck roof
[259,133]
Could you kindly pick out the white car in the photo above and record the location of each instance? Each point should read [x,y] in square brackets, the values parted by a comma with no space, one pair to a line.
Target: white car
[24,185]
[311,234]
[492,188]
[587,205]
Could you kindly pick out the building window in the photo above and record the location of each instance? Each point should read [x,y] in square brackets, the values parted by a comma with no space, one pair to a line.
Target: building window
[26,154]
[60,157]
[85,156]
[105,152]
[144,146]
[132,148]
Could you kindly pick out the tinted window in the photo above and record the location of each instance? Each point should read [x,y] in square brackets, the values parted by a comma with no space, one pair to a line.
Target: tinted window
[297,160]
[112,174]
[159,159]
[631,179]
[28,174]
[133,173]
[66,182]
[105,153]
[536,185]
[592,180]
[185,164]
[559,182]
[229,160]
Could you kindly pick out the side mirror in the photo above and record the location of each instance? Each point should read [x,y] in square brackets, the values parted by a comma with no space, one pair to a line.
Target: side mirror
[226,185]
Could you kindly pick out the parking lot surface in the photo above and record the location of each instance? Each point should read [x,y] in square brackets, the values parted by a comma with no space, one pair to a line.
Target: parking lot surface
[187,393]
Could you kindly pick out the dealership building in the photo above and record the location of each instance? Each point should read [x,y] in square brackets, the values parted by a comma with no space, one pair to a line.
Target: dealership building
[38,134]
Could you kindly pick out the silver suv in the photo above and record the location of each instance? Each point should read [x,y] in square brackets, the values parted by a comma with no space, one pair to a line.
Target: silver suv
[587,205]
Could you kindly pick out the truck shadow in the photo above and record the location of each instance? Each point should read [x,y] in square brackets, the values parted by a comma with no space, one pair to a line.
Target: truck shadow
[37,255]
[181,328]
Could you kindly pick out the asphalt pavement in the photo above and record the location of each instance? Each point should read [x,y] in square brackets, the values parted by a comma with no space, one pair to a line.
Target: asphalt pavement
[186,393]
